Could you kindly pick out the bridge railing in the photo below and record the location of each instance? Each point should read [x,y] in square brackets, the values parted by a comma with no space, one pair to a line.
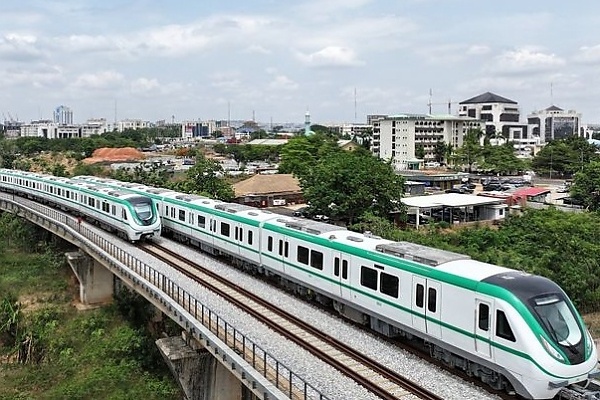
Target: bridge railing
[284,379]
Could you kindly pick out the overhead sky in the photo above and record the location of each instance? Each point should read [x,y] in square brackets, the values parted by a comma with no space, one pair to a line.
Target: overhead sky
[274,59]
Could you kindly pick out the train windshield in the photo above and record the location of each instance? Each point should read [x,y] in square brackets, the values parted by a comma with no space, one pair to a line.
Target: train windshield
[142,207]
[558,319]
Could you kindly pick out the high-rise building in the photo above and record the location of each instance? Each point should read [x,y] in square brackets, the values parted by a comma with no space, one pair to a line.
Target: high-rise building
[397,137]
[555,123]
[63,115]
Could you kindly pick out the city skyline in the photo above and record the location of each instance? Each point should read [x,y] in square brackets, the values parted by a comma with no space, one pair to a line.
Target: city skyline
[269,60]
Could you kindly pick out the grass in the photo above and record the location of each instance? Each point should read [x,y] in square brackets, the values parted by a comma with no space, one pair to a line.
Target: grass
[93,354]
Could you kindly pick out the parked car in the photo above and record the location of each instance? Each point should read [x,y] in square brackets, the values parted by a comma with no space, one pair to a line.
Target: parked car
[572,201]
[562,189]
[301,212]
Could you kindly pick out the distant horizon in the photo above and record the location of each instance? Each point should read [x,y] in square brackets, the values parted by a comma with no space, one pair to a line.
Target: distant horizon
[264,60]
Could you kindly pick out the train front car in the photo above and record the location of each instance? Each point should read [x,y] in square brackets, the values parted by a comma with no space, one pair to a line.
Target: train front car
[561,349]
[145,221]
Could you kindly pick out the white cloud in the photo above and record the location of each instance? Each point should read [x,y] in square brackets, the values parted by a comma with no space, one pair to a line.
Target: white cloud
[37,76]
[144,85]
[282,82]
[20,48]
[257,49]
[588,54]
[99,80]
[331,56]
[478,50]
[525,61]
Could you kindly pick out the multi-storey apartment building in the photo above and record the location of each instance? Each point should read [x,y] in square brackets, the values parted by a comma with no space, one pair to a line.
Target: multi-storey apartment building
[396,137]
[555,123]
[63,115]
[94,126]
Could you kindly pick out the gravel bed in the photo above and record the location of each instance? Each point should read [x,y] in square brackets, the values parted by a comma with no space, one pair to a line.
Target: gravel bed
[324,378]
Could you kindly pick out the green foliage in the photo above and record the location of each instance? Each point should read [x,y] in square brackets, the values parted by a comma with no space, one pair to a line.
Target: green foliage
[10,319]
[501,159]
[420,151]
[205,178]
[243,153]
[345,185]
[302,153]
[563,158]
[471,150]
[152,174]
[586,186]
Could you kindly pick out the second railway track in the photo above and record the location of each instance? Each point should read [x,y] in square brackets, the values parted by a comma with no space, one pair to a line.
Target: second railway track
[370,374]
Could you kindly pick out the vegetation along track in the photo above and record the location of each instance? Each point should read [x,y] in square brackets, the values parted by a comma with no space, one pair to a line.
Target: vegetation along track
[375,377]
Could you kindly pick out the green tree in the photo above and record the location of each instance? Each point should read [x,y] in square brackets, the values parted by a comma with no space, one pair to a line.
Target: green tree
[302,153]
[206,178]
[345,185]
[564,157]
[586,185]
[470,151]
[420,151]
[440,151]
[501,159]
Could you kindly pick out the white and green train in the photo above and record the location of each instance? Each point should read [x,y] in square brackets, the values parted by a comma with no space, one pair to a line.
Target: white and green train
[133,216]
[516,331]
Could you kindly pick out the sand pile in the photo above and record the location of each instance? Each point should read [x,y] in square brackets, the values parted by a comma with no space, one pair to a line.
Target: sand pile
[109,154]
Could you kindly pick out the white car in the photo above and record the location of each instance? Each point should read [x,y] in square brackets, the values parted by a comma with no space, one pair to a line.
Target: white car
[562,189]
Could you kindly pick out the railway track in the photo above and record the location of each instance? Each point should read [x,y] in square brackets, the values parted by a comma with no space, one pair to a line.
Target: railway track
[370,374]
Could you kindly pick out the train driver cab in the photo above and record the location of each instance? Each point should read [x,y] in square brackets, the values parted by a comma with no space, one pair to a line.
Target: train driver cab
[562,325]
[144,209]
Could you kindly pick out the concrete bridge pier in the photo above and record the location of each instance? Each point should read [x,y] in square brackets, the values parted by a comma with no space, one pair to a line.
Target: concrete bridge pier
[198,373]
[95,281]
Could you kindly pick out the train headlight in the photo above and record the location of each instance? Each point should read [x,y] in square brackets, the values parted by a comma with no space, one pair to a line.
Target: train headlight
[588,344]
[551,350]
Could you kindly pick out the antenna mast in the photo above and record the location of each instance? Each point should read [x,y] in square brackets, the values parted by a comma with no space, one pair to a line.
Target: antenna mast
[354,105]
[429,104]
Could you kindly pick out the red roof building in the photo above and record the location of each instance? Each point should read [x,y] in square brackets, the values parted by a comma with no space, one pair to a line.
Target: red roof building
[536,194]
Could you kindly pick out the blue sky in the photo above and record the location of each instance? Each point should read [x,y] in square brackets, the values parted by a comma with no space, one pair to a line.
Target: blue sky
[275,59]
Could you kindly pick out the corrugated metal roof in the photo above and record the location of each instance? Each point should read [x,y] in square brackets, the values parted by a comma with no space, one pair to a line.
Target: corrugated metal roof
[532,191]
[449,200]
[267,184]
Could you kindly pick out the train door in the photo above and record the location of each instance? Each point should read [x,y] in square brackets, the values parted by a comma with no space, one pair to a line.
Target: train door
[426,306]
[418,303]
[434,308]
[483,328]
[341,273]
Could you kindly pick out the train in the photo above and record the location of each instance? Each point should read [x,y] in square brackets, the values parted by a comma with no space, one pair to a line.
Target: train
[133,217]
[515,331]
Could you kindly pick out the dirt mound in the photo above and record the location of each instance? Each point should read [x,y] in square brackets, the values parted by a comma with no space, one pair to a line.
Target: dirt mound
[109,154]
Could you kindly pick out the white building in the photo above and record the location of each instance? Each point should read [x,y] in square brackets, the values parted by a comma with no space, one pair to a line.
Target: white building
[63,115]
[132,124]
[396,137]
[502,120]
[555,123]
[94,126]
[50,130]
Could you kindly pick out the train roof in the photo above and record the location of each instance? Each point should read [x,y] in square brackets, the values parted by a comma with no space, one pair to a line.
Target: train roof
[471,269]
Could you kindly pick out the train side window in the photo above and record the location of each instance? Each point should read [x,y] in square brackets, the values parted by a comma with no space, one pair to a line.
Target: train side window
[172,212]
[105,207]
[270,243]
[225,229]
[484,317]
[167,211]
[286,250]
[280,247]
[420,295]
[182,215]
[303,254]
[316,259]
[389,285]
[336,266]
[432,300]
[124,215]
[241,238]
[91,201]
[191,219]
[344,269]
[113,210]
[249,237]
[503,329]
[368,277]
[201,221]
